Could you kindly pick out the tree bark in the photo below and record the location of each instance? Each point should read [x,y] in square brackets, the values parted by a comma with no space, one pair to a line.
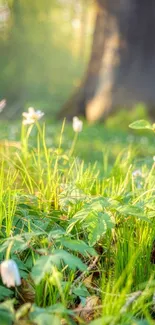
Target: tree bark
[121,70]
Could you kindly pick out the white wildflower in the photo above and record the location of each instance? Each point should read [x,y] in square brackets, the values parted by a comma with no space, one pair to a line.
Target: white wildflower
[77,124]
[154,158]
[10,273]
[32,116]
[2,104]
[137,173]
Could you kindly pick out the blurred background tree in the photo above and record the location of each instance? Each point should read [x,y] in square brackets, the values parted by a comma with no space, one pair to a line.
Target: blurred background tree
[45,46]
[44,49]
[121,69]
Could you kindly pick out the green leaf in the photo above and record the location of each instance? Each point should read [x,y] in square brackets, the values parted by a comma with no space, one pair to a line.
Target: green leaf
[5,292]
[56,233]
[93,219]
[5,317]
[19,244]
[78,246]
[81,292]
[133,211]
[99,223]
[7,312]
[70,196]
[42,316]
[44,264]
[95,205]
[72,261]
[46,319]
[141,124]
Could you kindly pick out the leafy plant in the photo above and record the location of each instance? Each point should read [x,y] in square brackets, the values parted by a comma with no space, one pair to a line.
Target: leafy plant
[93,219]
[142,124]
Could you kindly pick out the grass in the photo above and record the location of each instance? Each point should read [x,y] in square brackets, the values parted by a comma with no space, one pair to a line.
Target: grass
[79,223]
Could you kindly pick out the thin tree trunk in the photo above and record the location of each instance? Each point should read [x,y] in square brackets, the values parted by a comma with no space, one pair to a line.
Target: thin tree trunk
[76,104]
[121,69]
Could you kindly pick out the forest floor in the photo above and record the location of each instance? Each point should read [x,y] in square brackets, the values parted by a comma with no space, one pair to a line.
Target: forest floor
[77,217]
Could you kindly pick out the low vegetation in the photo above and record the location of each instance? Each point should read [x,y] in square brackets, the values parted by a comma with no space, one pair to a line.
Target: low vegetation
[77,212]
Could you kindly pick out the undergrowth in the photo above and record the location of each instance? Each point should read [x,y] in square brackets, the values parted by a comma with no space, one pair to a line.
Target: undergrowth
[80,226]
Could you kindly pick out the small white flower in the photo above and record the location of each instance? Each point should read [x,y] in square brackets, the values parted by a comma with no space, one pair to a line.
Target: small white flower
[10,273]
[137,173]
[77,124]
[32,116]
[2,104]
[154,158]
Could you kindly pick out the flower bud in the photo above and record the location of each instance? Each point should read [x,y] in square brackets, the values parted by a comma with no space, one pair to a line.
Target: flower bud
[10,273]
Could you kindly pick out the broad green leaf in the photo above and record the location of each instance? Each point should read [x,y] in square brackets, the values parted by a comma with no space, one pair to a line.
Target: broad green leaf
[98,225]
[5,292]
[19,244]
[56,233]
[46,319]
[72,261]
[130,210]
[49,315]
[93,219]
[5,317]
[141,124]
[99,203]
[133,211]
[81,292]
[44,264]
[78,246]
[59,308]
[95,205]
[7,312]
[70,196]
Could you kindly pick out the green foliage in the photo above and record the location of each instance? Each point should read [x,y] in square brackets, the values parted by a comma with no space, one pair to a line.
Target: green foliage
[93,220]
[7,312]
[44,264]
[49,315]
[4,293]
[141,124]
[78,246]
[78,230]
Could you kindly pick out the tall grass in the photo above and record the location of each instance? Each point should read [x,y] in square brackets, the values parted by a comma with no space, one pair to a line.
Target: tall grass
[60,214]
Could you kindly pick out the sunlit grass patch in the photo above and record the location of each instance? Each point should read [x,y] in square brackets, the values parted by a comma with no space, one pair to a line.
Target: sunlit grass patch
[77,214]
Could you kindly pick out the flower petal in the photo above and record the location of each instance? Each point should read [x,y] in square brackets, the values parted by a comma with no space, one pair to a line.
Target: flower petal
[31,110]
[28,121]
[10,273]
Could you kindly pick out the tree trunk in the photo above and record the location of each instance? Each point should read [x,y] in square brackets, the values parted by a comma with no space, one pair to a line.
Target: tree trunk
[121,70]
